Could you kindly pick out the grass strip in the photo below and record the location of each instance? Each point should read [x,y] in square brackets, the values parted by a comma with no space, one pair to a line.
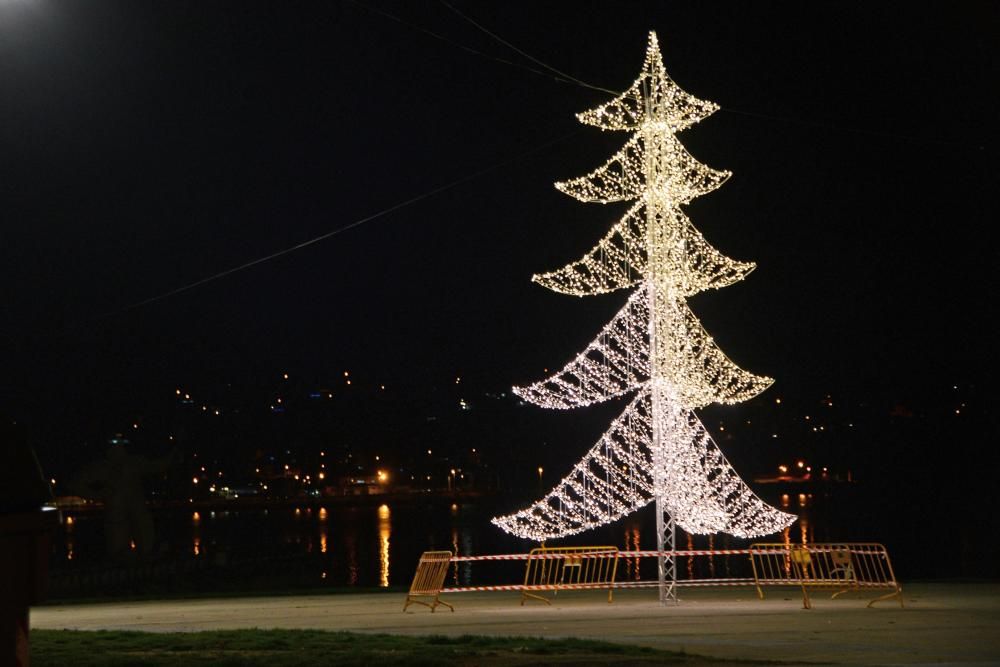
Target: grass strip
[298,648]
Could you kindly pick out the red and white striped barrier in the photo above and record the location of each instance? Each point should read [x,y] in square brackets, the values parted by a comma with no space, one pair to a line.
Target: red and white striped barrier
[620,554]
[618,584]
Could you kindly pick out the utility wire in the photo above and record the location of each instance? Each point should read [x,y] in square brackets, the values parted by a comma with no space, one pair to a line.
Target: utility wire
[530,57]
[459,45]
[553,73]
[340,230]
[559,75]
[316,239]
[751,114]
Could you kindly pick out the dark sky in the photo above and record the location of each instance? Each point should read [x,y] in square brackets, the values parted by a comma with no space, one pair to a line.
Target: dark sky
[147,145]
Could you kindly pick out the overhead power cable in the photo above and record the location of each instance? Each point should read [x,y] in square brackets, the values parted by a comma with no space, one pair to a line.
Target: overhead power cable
[782,119]
[459,45]
[357,223]
[530,57]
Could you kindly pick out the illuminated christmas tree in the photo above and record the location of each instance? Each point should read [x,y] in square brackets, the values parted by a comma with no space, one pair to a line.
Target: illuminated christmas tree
[657,449]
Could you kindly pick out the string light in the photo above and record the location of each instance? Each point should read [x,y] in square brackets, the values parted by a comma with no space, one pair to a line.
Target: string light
[620,260]
[617,361]
[622,179]
[674,107]
[619,475]
[654,346]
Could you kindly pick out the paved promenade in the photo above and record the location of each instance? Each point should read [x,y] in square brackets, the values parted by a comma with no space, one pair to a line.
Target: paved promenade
[941,624]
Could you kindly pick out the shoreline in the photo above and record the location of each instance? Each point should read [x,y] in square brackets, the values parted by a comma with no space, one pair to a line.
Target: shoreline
[256,502]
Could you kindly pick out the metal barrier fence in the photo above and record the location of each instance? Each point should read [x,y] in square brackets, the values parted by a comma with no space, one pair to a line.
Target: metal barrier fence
[846,567]
[566,568]
[429,579]
[601,581]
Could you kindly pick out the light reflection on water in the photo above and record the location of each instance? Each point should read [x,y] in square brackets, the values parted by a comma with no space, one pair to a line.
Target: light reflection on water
[384,531]
[632,544]
[786,538]
[351,545]
[690,561]
[711,559]
[360,545]
[455,550]
[69,537]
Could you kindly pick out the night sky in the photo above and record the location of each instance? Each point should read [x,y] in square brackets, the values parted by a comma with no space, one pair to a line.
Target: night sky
[146,146]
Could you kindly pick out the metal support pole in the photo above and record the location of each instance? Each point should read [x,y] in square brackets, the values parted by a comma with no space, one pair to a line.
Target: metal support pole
[665,561]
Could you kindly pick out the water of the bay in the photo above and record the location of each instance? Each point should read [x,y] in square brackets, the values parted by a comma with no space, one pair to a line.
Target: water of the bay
[375,542]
